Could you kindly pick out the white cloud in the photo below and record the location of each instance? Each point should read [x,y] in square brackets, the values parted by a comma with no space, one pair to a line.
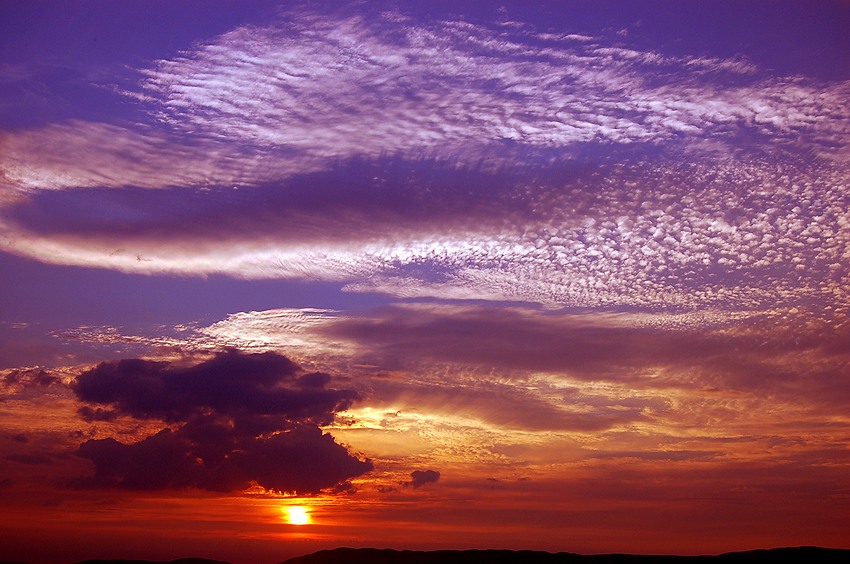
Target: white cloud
[337,88]
[80,154]
[739,234]
[261,103]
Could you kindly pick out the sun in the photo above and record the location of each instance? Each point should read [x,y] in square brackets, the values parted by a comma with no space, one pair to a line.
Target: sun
[298,515]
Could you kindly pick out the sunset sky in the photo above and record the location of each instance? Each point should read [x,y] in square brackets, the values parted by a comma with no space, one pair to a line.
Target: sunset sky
[566,276]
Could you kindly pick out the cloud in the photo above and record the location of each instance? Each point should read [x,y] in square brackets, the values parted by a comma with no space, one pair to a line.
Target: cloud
[736,234]
[206,456]
[28,458]
[585,345]
[82,154]
[557,360]
[233,419]
[343,85]
[522,368]
[451,159]
[578,190]
[514,369]
[249,389]
[497,405]
[29,377]
[421,477]
[261,103]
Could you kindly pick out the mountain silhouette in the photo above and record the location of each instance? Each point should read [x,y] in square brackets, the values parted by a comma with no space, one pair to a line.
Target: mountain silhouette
[387,556]
[178,561]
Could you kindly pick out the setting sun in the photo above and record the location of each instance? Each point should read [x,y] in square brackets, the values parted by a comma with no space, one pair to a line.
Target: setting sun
[298,515]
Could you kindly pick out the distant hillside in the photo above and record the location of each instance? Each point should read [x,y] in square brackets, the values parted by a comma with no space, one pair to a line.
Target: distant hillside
[386,556]
[178,561]
[794,555]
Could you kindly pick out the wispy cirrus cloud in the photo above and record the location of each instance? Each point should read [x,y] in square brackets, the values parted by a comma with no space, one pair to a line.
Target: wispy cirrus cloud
[84,154]
[342,86]
[263,102]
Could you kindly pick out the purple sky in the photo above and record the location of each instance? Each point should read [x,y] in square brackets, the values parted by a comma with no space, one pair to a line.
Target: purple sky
[374,257]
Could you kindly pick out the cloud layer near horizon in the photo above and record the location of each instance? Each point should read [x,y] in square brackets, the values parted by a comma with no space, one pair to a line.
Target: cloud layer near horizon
[498,374]
[233,419]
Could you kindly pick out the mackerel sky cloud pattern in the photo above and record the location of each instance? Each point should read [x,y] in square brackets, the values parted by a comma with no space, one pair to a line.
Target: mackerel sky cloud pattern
[309,92]
[337,88]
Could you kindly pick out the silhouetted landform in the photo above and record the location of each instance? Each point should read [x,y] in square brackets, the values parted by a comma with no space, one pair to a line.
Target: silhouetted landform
[178,561]
[386,556]
[806,554]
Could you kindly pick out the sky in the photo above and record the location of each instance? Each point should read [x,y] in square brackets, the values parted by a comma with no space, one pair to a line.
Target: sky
[565,276]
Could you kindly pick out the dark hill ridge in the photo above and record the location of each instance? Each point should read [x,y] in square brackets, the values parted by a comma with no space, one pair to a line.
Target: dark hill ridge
[178,561]
[802,554]
[118,561]
[805,554]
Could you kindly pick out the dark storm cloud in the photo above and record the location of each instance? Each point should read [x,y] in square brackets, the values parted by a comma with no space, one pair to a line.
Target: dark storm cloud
[253,390]
[302,460]
[419,478]
[234,418]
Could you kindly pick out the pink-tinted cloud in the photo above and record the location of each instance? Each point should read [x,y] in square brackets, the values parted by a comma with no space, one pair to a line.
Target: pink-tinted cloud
[743,234]
[338,87]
